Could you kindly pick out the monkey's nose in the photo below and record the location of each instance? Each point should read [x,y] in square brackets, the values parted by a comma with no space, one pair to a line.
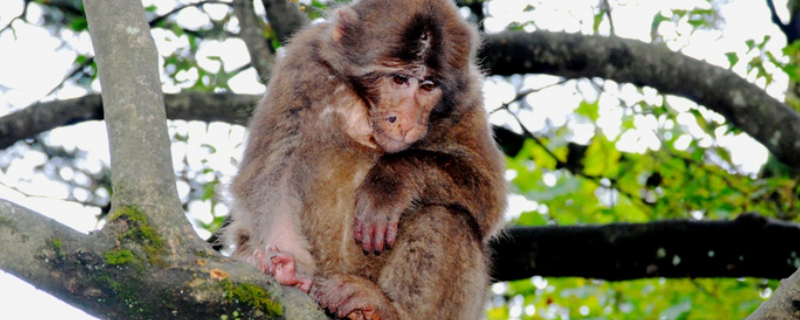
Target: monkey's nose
[392,119]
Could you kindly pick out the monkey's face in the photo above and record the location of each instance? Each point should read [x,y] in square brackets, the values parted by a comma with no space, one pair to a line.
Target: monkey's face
[401,108]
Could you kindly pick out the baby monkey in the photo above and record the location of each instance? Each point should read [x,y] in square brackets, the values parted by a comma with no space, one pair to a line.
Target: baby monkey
[370,178]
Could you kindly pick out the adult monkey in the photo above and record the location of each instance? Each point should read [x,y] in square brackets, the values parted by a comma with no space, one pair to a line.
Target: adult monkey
[373,129]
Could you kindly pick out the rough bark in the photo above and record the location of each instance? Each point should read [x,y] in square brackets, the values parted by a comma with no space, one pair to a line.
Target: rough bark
[80,270]
[784,303]
[133,106]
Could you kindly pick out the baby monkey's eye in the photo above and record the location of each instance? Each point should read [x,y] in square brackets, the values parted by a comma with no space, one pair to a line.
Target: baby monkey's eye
[427,85]
[400,79]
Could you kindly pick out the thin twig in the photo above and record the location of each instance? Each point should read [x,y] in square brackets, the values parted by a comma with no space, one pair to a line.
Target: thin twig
[20,16]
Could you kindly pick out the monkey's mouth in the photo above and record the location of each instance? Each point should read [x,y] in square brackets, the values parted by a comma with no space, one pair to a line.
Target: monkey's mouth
[396,141]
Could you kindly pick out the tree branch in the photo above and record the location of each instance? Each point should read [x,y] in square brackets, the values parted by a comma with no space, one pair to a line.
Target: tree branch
[133,103]
[771,122]
[251,32]
[36,240]
[750,246]
[45,116]
[784,303]
[79,270]
[285,18]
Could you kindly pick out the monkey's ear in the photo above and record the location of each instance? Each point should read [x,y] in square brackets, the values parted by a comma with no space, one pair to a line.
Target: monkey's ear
[344,23]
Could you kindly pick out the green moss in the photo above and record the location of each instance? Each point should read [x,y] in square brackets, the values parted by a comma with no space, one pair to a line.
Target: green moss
[6,222]
[253,296]
[57,244]
[141,231]
[119,257]
[201,253]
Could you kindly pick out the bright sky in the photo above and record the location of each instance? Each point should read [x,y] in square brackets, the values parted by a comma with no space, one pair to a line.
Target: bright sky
[33,62]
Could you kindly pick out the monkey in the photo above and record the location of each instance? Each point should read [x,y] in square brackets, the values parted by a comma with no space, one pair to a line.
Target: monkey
[370,178]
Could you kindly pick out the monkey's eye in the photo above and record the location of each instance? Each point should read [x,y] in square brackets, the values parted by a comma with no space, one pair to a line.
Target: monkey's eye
[427,85]
[400,79]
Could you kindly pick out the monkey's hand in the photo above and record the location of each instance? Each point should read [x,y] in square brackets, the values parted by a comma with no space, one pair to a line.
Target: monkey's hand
[281,266]
[353,298]
[380,201]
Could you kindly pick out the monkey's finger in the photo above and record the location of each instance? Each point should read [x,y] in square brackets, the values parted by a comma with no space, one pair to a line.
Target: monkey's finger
[355,306]
[258,259]
[357,230]
[371,315]
[356,315]
[391,234]
[304,285]
[366,238]
[378,241]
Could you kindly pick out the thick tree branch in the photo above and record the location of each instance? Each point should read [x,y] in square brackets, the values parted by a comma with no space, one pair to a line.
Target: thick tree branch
[35,240]
[45,116]
[81,270]
[133,106]
[750,246]
[771,122]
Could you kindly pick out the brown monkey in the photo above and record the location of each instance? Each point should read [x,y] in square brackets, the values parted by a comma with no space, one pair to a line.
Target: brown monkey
[372,136]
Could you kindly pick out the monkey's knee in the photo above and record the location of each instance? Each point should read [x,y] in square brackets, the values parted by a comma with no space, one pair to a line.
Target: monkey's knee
[438,268]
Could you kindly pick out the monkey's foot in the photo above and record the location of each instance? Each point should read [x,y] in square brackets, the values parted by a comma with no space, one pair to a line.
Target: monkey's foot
[281,266]
[353,298]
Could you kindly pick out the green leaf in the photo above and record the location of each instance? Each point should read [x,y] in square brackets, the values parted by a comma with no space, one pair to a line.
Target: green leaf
[701,120]
[210,190]
[80,59]
[531,218]
[602,158]
[732,58]
[750,44]
[598,18]
[657,20]
[589,110]
[764,42]
[317,4]
[79,24]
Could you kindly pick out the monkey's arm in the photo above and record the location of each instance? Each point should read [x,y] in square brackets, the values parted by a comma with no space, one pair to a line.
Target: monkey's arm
[464,182]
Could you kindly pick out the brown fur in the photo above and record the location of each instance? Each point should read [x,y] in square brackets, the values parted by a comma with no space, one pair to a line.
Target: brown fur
[322,159]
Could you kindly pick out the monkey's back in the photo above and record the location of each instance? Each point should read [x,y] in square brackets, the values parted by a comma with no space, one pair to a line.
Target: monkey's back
[298,153]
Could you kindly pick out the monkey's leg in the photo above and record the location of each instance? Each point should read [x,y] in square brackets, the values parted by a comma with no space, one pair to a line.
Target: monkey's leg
[281,266]
[437,270]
